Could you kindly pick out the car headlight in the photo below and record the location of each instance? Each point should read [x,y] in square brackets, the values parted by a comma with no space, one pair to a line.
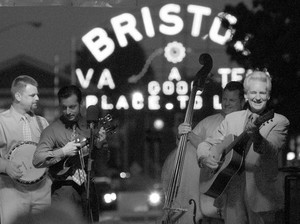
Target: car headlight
[154,198]
[109,197]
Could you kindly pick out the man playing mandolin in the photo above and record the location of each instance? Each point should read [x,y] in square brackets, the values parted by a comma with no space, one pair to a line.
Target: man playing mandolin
[254,194]
[21,191]
[62,148]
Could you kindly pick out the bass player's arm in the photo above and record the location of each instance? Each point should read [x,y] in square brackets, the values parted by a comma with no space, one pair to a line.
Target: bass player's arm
[208,155]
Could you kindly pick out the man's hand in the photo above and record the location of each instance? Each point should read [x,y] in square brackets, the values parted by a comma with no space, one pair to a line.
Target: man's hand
[71,148]
[101,135]
[184,128]
[13,170]
[251,129]
[209,162]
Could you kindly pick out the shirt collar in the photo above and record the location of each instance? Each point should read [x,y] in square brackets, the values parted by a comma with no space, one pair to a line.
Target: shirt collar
[19,116]
[80,123]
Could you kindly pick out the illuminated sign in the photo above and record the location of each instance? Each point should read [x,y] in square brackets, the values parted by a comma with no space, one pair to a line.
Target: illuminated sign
[102,46]
[137,100]
[170,23]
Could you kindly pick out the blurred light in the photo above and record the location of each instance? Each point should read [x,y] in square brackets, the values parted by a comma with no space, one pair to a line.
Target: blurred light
[104,103]
[216,102]
[110,197]
[91,100]
[168,88]
[158,124]
[246,52]
[122,103]
[124,175]
[174,74]
[290,156]
[99,44]
[153,102]
[154,198]
[198,11]
[106,80]
[137,101]
[239,46]
[148,23]
[177,22]
[182,101]
[169,106]
[198,102]
[182,88]
[215,28]
[153,87]
[84,80]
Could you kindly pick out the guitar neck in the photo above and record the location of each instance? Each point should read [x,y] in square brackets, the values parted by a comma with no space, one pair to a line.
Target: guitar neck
[238,143]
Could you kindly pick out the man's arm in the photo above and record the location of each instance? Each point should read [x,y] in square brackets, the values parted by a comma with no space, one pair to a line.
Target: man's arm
[274,141]
[194,138]
[208,155]
[46,153]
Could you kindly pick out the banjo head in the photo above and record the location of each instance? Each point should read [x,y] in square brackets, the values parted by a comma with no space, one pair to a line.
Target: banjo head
[23,154]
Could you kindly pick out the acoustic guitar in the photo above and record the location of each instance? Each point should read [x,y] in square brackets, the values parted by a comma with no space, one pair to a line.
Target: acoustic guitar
[214,182]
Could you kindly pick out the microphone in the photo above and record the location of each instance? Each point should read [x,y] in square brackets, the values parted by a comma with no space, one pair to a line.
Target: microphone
[92,115]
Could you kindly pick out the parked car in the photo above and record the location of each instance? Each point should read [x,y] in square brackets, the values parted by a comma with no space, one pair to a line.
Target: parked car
[137,198]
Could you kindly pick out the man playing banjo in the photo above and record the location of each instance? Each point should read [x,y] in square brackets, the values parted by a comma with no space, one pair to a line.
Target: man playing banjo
[22,192]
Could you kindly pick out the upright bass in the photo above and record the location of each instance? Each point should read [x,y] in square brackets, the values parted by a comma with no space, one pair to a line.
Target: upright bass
[181,199]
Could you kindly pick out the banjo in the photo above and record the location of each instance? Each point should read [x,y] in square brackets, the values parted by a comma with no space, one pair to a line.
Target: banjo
[22,154]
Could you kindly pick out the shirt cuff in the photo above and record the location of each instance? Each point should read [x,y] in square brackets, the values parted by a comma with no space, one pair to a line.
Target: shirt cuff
[203,150]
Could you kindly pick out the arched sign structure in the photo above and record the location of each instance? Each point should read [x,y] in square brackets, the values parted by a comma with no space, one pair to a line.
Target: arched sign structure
[183,28]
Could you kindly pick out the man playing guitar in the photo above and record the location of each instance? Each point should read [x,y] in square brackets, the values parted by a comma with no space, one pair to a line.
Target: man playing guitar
[255,194]
[62,140]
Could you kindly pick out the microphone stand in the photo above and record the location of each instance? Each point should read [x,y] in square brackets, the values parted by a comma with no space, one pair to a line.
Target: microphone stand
[89,168]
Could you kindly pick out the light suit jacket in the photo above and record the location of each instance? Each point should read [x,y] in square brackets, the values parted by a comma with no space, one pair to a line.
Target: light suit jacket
[264,187]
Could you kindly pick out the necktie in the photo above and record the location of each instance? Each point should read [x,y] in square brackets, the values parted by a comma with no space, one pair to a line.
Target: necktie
[251,119]
[79,177]
[26,129]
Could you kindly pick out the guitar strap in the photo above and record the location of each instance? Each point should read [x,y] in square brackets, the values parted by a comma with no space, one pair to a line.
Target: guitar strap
[246,142]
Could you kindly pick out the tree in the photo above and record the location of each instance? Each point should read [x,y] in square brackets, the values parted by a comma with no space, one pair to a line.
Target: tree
[268,36]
